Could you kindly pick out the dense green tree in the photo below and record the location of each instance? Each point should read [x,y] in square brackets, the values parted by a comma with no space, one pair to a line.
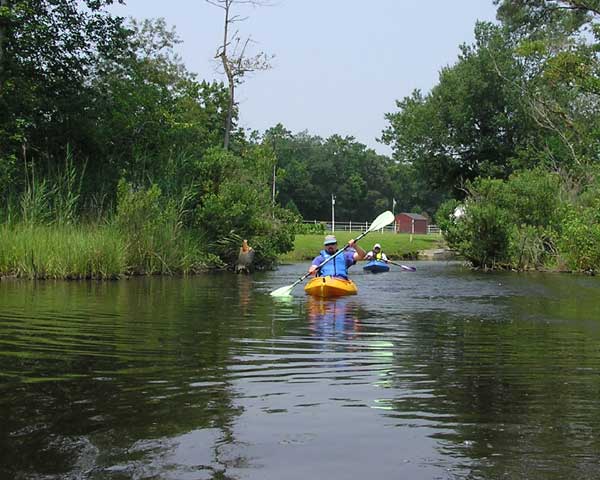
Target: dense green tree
[116,102]
[126,107]
[294,178]
[151,109]
[470,124]
[557,42]
[49,51]
[312,169]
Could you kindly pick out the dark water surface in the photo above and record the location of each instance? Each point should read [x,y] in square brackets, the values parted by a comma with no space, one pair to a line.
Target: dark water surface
[442,373]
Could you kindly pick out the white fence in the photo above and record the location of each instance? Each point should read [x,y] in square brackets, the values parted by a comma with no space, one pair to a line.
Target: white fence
[361,226]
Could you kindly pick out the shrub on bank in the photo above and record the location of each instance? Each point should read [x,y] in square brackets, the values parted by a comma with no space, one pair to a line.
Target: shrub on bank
[235,203]
[507,224]
[579,244]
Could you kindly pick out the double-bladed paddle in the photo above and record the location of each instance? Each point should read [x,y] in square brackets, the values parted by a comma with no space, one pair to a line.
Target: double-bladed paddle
[381,221]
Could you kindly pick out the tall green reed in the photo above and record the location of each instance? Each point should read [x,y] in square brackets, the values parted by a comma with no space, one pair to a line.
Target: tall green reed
[53,199]
[44,234]
[61,251]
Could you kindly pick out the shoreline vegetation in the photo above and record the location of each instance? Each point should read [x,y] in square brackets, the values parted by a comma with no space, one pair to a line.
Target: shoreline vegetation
[94,252]
[116,160]
[104,252]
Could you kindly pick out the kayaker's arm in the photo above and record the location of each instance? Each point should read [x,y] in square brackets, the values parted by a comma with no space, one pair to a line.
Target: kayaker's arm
[360,253]
[314,267]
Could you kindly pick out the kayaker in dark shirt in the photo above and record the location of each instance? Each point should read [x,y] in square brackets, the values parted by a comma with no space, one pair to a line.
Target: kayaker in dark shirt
[338,267]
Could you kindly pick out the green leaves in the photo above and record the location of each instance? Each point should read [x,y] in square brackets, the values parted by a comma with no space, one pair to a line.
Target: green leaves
[311,169]
[557,43]
[469,124]
[580,243]
[506,224]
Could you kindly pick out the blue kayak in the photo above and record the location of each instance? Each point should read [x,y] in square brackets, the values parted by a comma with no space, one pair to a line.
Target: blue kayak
[376,266]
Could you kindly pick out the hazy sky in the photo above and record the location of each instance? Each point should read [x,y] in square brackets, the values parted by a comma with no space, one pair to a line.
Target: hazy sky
[339,65]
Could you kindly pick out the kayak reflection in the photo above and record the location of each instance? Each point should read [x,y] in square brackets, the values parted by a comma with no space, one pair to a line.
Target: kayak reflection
[331,317]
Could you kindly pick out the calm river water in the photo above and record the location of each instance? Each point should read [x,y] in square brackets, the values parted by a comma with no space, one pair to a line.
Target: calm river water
[438,374]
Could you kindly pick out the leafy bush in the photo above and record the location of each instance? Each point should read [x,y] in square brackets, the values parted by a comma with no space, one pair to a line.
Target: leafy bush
[451,227]
[506,224]
[489,230]
[531,247]
[532,197]
[279,239]
[235,203]
[579,244]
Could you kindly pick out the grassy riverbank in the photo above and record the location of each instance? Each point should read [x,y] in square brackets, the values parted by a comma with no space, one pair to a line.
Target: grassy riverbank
[395,246]
[94,252]
[104,251]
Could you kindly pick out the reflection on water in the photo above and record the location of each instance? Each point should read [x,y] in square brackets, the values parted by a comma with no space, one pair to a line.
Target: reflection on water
[441,373]
[334,316]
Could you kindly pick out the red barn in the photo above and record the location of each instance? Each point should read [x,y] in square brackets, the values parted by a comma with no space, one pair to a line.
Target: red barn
[411,223]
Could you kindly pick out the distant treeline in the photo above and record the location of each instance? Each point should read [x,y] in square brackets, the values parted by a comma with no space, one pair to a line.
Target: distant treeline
[312,169]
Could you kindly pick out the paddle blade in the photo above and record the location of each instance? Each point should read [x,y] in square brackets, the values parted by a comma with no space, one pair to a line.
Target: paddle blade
[403,267]
[381,221]
[282,291]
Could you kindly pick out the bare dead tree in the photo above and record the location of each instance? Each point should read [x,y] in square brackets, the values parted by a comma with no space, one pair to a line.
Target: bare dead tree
[233,53]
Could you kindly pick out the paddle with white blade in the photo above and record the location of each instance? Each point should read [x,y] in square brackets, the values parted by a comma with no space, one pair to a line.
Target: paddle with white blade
[381,221]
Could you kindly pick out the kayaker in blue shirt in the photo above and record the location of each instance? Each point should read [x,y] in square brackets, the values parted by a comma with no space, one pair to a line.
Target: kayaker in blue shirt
[376,254]
[338,267]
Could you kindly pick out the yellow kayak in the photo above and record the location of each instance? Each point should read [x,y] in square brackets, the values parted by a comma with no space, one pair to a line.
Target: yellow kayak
[330,287]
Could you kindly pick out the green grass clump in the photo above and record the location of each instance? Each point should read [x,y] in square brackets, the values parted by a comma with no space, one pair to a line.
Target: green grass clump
[395,245]
[94,252]
[66,251]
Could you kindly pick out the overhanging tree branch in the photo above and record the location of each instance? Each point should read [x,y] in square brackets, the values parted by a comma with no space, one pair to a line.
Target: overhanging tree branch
[584,6]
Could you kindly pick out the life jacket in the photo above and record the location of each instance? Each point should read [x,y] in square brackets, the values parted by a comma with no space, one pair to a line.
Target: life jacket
[335,267]
[378,256]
